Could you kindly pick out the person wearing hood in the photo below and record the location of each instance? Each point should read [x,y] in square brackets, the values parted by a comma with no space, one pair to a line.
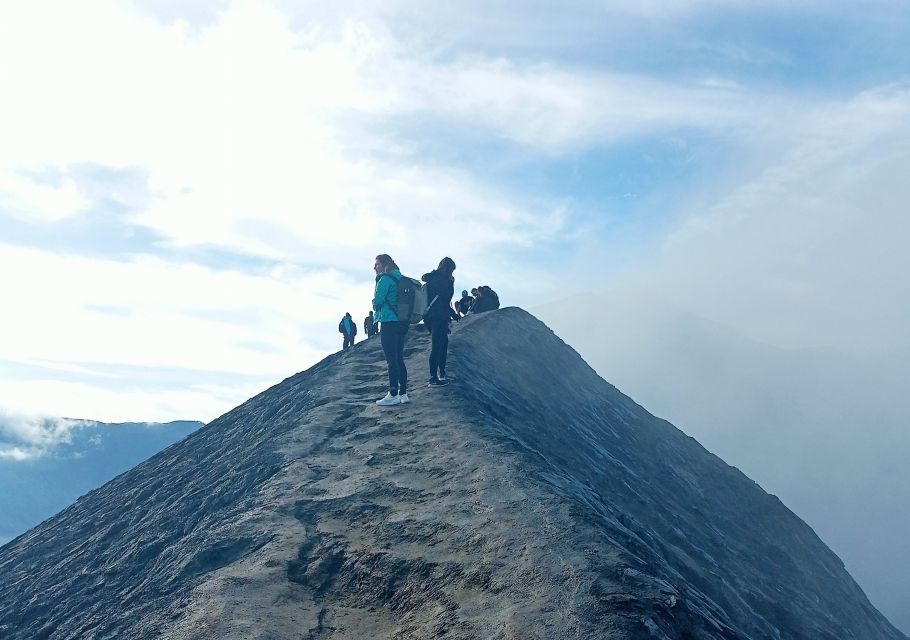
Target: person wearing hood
[486,300]
[440,289]
[392,331]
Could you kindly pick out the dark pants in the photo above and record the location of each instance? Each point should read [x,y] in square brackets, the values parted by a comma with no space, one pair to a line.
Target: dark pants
[348,341]
[392,335]
[439,331]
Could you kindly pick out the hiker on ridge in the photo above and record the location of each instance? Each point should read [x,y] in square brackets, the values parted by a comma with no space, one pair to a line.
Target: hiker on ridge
[349,329]
[440,289]
[392,331]
[369,325]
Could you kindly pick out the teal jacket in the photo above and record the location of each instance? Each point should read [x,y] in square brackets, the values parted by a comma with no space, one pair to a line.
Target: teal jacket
[385,299]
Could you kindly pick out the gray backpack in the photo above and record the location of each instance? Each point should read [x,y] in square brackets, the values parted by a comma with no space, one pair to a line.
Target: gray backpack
[412,300]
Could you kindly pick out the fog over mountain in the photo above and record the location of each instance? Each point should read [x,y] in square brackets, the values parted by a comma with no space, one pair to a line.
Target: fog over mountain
[46,464]
[825,431]
[528,499]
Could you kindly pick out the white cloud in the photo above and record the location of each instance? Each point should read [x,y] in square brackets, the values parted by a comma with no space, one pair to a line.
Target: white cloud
[57,319]
[554,109]
[270,139]
[23,197]
[15,453]
[808,250]
[198,401]
[23,436]
[181,317]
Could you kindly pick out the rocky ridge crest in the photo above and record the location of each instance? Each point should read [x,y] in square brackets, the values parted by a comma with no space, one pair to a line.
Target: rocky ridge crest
[528,499]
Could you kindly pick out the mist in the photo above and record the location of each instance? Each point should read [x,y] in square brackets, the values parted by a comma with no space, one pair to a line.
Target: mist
[772,323]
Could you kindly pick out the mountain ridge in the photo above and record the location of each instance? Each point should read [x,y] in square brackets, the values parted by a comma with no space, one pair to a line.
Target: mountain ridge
[529,499]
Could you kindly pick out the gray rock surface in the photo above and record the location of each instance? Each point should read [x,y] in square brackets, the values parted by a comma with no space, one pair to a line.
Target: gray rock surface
[528,499]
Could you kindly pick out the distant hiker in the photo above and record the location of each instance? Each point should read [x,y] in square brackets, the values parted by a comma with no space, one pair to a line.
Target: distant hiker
[440,289]
[464,305]
[349,329]
[392,331]
[486,300]
[369,327]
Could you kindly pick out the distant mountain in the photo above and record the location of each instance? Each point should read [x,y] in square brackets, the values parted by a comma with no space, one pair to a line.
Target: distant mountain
[825,432]
[528,499]
[35,488]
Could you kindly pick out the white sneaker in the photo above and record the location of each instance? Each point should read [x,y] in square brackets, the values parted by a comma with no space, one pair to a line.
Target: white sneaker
[403,398]
[389,400]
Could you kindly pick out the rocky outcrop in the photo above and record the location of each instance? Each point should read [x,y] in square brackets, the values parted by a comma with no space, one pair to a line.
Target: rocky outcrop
[528,499]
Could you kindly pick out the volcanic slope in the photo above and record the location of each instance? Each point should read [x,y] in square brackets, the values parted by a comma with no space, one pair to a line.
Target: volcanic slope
[528,499]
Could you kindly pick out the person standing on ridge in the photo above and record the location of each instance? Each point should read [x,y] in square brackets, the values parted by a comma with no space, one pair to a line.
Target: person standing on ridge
[440,289]
[392,331]
[368,325]
[349,329]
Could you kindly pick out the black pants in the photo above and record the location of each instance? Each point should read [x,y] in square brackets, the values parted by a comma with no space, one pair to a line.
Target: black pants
[439,331]
[392,335]
[348,341]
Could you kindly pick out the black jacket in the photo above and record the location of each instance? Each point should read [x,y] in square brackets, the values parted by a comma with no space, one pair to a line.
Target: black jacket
[488,301]
[442,288]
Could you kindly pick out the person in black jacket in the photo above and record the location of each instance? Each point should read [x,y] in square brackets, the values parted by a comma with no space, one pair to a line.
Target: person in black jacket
[464,305]
[440,289]
[486,300]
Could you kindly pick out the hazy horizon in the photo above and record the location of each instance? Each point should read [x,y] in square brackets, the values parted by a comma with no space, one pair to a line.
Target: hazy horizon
[824,431]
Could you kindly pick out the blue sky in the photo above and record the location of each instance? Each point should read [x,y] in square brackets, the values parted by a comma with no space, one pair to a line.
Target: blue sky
[200,188]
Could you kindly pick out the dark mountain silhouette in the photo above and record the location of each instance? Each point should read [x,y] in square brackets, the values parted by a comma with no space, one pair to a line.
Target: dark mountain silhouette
[528,499]
[94,452]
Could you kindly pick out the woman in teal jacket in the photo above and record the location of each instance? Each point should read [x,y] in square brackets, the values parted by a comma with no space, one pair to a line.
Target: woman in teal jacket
[392,331]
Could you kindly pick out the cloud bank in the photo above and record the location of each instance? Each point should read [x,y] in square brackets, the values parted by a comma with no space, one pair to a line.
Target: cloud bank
[24,437]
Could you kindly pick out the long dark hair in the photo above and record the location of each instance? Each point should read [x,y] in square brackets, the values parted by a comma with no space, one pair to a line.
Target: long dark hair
[447,266]
[386,261]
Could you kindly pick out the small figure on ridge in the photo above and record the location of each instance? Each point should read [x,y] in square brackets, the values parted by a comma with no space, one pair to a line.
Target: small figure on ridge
[349,329]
